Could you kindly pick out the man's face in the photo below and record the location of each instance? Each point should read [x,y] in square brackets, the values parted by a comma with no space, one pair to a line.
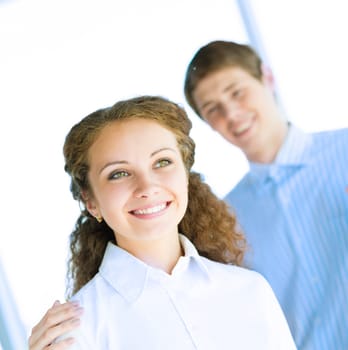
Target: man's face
[243,110]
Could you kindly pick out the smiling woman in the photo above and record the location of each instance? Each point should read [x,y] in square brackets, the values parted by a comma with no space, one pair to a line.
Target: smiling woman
[61,59]
[128,160]
[139,188]
[155,252]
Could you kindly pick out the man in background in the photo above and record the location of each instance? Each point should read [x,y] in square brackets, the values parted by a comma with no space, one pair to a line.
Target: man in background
[293,203]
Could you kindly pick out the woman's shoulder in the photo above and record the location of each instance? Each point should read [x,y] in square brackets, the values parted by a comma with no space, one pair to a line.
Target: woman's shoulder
[91,289]
[234,274]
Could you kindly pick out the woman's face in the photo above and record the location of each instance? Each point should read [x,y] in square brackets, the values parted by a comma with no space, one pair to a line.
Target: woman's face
[138,180]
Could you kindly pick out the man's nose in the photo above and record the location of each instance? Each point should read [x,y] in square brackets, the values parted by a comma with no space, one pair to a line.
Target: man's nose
[233,111]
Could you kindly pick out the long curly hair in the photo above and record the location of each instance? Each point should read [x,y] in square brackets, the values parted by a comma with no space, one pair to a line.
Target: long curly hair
[208,222]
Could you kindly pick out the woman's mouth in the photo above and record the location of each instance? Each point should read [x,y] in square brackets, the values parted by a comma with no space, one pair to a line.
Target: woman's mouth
[151,210]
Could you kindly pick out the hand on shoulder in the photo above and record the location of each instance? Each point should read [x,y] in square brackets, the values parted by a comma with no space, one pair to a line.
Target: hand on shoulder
[58,320]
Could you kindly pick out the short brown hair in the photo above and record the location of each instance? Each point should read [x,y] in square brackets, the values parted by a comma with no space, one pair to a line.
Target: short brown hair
[217,55]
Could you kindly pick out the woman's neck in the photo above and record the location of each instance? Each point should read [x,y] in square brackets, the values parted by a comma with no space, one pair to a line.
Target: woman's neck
[162,253]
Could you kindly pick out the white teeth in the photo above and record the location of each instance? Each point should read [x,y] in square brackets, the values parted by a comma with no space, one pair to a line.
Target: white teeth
[242,128]
[152,210]
[245,126]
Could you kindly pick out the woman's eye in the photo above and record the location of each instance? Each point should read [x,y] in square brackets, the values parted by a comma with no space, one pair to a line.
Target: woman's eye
[118,174]
[162,163]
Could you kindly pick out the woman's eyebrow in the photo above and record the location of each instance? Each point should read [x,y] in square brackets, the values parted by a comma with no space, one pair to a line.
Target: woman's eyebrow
[113,163]
[163,149]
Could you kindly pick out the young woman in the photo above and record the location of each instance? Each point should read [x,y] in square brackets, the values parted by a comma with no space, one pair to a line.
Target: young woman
[154,252]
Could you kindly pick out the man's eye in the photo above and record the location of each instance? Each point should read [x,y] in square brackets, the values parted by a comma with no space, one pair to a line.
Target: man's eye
[118,174]
[162,163]
[212,110]
[237,93]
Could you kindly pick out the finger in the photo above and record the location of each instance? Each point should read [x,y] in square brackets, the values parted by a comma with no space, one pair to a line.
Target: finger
[62,345]
[54,317]
[57,314]
[48,337]
[56,303]
[60,312]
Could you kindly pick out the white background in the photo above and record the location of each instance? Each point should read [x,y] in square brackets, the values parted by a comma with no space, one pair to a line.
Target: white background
[61,60]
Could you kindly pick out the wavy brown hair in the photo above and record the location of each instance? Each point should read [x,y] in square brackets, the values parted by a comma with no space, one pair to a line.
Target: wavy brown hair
[208,222]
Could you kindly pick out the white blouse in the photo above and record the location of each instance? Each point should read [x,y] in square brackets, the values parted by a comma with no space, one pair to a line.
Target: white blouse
[202,305]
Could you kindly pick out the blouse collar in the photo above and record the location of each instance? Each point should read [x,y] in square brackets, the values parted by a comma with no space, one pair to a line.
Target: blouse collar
[129,275]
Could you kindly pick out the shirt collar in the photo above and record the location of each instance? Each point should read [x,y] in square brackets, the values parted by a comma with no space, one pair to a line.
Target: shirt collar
[293,150]
[291,157]
[128,275]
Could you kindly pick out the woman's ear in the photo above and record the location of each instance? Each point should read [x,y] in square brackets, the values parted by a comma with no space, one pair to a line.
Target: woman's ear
[90,204]
[92,208]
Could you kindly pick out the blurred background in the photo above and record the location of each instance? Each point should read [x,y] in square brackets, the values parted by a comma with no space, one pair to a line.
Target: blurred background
[61,60]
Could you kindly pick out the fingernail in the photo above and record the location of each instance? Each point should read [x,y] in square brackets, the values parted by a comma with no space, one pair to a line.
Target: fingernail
[78,311]
[69,341]
[75,321]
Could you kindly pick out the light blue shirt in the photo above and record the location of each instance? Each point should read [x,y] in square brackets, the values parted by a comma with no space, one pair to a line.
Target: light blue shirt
[294,213]
[202,305]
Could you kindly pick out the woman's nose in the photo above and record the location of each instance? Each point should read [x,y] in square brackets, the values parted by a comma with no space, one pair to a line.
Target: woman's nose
[146,186]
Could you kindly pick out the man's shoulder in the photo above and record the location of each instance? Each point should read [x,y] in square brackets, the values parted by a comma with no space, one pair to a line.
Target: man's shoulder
[240,189]
[335,135]
[327,143]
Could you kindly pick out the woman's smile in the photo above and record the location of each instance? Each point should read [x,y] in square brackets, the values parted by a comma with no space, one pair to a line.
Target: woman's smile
[150,211]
